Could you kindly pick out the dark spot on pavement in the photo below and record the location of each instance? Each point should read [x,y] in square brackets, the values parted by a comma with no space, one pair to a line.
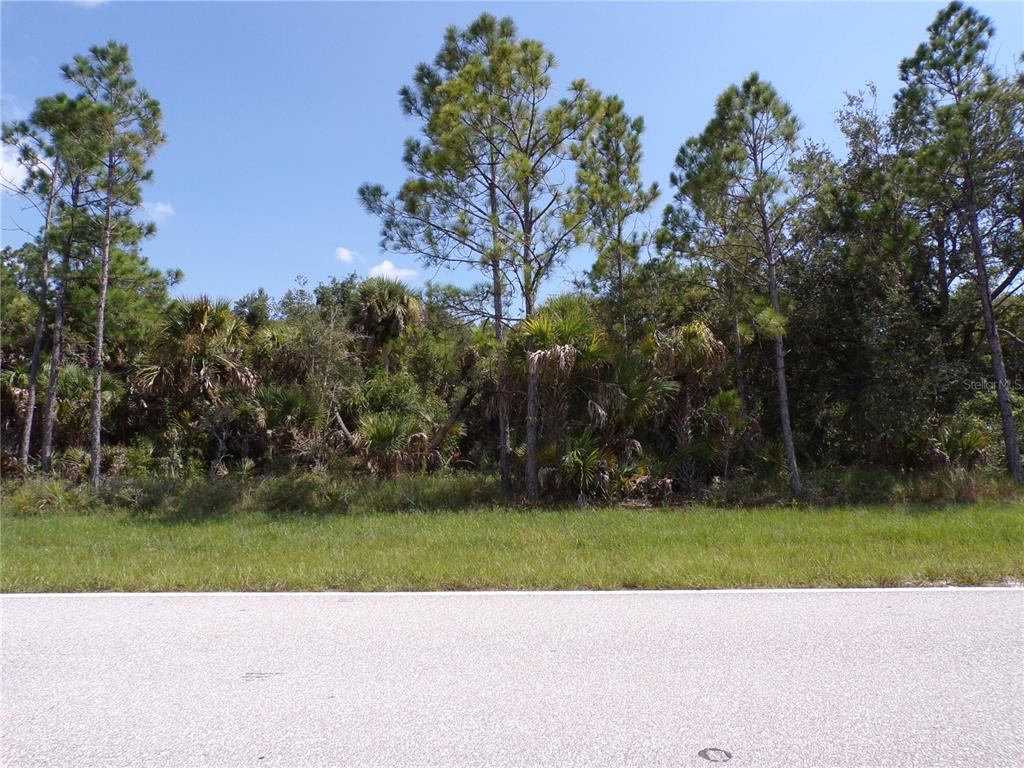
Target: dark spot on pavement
[715,755]
[258,675]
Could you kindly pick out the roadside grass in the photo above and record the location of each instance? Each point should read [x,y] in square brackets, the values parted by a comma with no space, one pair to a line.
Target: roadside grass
[285,495]
[486,546]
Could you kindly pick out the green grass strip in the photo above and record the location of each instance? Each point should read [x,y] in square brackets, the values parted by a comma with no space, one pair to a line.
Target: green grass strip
[504,548]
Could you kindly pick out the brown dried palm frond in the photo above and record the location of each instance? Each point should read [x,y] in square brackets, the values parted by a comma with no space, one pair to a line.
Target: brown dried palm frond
[555,362]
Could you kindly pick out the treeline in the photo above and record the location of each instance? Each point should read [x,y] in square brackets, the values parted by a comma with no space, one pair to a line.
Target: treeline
[791,310]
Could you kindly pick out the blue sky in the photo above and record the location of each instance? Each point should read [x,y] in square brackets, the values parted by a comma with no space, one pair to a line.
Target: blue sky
[275,112]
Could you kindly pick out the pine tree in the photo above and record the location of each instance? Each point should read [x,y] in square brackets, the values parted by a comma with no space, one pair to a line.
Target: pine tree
[611,194]
[489,185]
[72,124]
[538,221]
[448,211]
[129,124]
[961,123]
[738,190]
[39,155]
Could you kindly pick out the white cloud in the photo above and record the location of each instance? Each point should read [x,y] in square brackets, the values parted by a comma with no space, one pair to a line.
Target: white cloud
[12,172]
[345,256]
[88,3]
[158,211]
[389,270]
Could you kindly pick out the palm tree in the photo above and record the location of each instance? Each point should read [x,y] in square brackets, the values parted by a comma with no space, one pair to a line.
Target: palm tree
[690,353]
[382,311]
[384,439]
[198,352]
[727,424]
[564,338]
[193,363]
[635,391]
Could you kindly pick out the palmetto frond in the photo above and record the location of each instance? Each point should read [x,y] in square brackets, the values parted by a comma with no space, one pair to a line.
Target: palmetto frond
[690,348]
[564,335]
[384,308]
[384,437]
[198,349]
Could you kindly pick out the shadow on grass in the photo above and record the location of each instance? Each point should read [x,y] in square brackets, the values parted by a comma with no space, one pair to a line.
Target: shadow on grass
[173,501]
[308,495]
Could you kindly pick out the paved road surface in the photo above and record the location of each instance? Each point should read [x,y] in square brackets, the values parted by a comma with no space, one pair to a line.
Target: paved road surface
[793,678]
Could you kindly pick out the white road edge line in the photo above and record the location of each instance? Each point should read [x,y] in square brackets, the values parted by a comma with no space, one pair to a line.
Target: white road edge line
[526,592]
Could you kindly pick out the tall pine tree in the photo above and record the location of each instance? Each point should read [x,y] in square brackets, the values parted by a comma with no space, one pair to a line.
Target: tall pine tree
[962,127]
[128,121]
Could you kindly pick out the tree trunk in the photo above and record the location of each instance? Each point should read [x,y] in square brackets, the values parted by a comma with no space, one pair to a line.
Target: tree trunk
[528,298]
[37,344]
[943,267]
[445,428]
[945,244]
[780,378]
[741,387]
[50,407]
[345,431]
[995,348]
[532,386]
[504,446]
[96,417]
[622,282]
[532,372]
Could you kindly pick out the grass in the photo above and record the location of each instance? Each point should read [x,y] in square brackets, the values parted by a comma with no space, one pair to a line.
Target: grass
[465,541]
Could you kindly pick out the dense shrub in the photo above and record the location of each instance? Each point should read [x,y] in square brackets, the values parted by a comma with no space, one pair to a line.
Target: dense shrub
[36,496]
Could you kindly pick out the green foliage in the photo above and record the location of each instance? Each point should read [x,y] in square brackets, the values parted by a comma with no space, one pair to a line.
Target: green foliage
[961,444]
[288,407]
[798,306]
[255,309]
[610,194]
[288,494]
[565,332]
[397,393]
[382,310]
[585,464]
[384,436]
[197,351]
[50,496]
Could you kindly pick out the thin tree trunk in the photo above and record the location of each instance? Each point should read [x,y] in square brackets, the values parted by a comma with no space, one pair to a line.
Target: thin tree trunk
[768,246]
[528,297]
[37,345]
[622,282]
[532,372]
[345,431]
[741,387]
[945,246]
[445,428]
[532,386]
[504,446]
[50,407]
[96,417]
[504,441]
[943,262]
[780,378]
[995,347]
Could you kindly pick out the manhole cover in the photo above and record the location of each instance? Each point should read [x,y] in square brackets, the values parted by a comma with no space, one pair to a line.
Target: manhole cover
[715,755]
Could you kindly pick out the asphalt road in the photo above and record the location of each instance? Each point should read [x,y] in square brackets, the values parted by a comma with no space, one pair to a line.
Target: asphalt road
[774,678]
